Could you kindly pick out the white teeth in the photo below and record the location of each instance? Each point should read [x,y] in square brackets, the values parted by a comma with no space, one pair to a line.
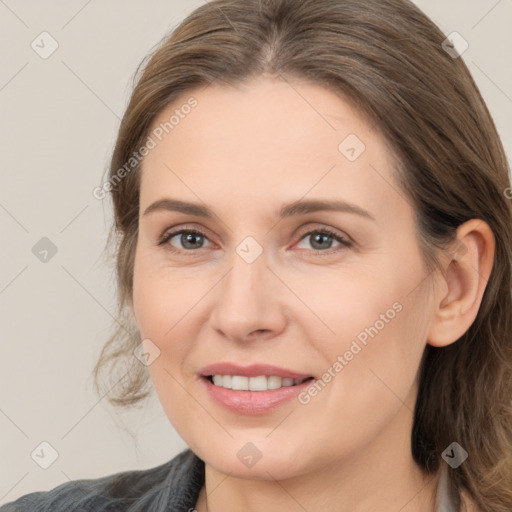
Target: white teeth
[260,383]
[239,383]
[274,382]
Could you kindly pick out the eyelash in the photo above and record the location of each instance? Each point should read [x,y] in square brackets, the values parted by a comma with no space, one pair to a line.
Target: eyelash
[324,231]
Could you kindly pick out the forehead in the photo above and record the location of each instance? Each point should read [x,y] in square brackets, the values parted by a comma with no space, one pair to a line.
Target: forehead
[266,139]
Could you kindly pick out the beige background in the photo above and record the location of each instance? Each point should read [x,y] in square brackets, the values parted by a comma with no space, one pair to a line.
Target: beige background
[59,120]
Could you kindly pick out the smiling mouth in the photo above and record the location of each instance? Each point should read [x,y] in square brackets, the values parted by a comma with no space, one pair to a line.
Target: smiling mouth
[259,383]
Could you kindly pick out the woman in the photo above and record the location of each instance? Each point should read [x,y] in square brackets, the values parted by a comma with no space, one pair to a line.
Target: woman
[372,373]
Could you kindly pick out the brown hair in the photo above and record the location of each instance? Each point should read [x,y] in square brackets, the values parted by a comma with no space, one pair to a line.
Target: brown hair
[387,57]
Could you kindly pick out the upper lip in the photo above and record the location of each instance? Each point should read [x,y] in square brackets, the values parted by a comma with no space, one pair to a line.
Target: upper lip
[253,370]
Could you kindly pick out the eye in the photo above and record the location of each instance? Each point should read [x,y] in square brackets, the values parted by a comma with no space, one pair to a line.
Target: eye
[322,240]
[188,238]
[191,239]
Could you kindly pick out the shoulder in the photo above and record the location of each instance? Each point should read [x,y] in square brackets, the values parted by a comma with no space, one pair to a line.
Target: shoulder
[177,481]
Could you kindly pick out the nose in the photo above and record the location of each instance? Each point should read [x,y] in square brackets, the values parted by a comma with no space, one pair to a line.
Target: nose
[249,302]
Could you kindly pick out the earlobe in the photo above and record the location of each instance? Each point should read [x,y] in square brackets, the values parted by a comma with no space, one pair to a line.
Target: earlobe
[462,284]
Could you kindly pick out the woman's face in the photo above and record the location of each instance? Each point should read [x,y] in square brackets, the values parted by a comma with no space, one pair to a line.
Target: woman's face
[250,286]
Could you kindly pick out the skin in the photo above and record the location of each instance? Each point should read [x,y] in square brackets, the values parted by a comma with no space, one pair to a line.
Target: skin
[245,152]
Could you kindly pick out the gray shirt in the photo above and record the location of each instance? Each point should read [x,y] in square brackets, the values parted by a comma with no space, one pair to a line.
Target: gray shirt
[172,487]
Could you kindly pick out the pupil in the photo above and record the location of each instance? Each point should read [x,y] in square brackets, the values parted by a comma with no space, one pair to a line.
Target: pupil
[319,236]
[189,237]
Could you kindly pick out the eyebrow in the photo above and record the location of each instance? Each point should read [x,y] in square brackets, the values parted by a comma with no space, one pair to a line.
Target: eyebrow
[300,207]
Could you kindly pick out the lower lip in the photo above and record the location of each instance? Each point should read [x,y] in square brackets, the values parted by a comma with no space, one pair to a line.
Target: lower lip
[253,402]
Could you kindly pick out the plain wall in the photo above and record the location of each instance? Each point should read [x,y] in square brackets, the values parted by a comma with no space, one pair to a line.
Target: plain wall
[59,118]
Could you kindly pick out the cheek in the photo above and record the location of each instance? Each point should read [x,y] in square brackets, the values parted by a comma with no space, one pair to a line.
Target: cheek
[161,302]
[379,315]
[388,351]
[162,296]
[344,303]
[168,311]
[375,377]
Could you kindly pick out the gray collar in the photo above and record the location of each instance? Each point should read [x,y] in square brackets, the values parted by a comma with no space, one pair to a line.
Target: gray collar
[446,499]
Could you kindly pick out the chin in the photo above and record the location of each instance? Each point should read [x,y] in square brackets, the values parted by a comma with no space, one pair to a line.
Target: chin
[245,460]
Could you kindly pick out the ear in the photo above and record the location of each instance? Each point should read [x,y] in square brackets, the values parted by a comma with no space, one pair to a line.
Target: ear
[462,284]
